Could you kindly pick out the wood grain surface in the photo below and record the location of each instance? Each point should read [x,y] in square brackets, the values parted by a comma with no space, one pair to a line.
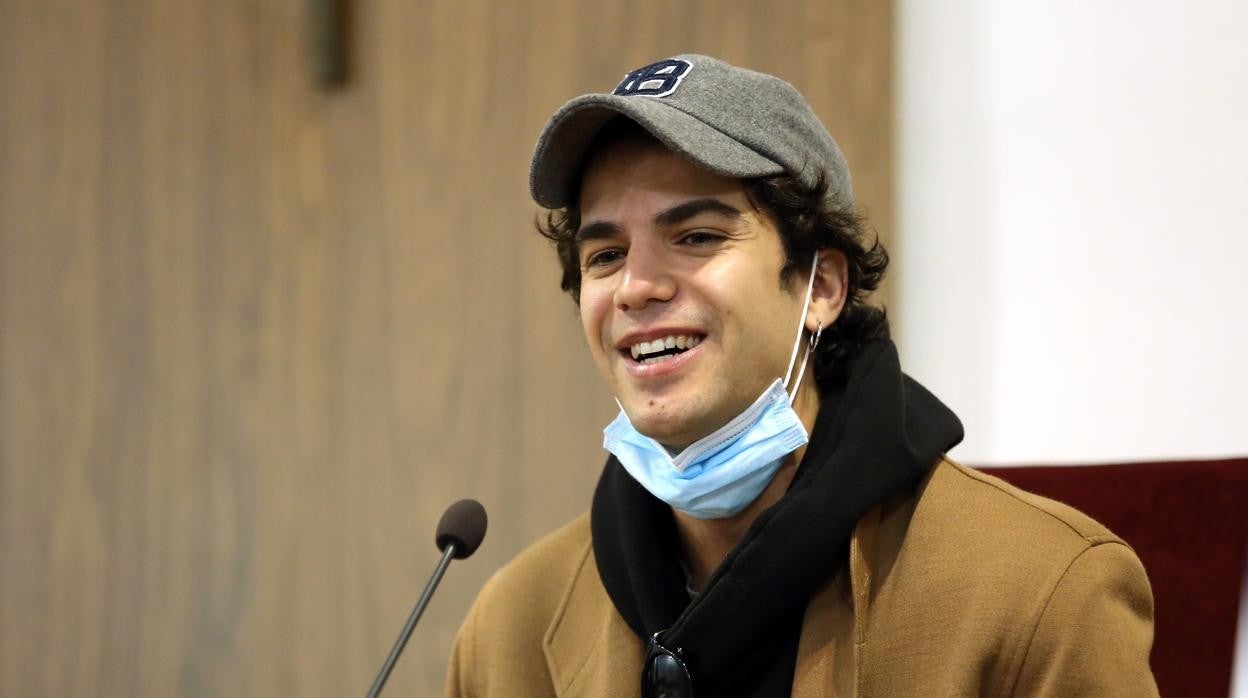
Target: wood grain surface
[256,335]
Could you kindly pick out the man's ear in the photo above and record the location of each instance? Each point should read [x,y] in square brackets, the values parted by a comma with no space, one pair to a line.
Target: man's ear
[827,298]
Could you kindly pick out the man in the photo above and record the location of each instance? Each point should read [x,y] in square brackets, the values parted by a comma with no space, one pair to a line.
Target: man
[762,529]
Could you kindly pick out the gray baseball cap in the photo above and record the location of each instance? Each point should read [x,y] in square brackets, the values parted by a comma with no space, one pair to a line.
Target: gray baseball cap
[731,121]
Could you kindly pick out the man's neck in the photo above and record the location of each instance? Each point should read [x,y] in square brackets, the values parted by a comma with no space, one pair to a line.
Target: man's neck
[705,543]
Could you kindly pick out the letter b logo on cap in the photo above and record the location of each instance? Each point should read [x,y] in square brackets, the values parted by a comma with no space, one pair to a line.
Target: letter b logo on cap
[655,80]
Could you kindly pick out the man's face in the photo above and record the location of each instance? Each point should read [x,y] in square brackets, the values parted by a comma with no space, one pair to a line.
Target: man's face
[668,250]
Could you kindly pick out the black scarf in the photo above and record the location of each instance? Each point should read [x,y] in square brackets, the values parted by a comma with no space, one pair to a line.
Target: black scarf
[877,434]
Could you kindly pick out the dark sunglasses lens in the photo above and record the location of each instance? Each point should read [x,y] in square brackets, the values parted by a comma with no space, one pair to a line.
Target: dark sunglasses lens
[666,678]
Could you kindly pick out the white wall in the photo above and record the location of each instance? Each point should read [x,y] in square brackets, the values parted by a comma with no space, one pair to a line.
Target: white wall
[1072,234]
[1072,242]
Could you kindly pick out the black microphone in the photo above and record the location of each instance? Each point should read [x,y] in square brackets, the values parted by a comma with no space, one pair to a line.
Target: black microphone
[459,534]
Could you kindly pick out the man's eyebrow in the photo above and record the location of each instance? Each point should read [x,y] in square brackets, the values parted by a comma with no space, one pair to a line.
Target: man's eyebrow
[597,230]
[683,212]
[675,215]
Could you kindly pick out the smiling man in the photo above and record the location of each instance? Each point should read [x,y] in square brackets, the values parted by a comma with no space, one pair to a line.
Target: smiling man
[777,515]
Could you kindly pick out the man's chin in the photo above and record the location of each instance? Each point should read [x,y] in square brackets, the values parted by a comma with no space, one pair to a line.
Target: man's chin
[673,431]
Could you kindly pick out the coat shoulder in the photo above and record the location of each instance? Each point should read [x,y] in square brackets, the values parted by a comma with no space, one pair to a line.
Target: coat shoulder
[971,576]
[525,592]
[1063,604]
[1000,502]
[970,533]
[553,557]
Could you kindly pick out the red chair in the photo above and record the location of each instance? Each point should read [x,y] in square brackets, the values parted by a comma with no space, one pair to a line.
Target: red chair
[1188,522]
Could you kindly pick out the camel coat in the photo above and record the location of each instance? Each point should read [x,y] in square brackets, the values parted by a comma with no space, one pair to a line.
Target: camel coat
[965,586]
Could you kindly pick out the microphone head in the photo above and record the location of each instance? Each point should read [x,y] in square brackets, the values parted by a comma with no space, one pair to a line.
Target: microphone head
[464,525]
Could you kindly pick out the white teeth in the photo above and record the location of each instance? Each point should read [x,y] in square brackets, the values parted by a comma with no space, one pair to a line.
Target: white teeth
[675,341]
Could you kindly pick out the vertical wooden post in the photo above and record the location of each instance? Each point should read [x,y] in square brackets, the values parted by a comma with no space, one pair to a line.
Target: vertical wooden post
[329,30]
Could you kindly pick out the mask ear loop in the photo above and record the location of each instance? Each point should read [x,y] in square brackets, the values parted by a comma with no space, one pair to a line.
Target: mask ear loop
[810,347]
[797,341]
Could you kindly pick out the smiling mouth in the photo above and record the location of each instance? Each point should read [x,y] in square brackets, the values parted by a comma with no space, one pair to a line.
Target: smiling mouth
[662,349]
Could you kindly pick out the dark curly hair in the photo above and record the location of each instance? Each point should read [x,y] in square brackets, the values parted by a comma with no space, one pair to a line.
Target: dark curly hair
[808,220]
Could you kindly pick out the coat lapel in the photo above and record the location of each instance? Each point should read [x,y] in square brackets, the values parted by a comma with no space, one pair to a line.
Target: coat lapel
[590,650]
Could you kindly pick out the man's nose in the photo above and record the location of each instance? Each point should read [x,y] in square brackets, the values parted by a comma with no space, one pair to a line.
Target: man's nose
[646,279]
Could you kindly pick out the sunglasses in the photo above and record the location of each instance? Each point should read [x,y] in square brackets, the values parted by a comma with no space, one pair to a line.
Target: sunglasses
[666,675]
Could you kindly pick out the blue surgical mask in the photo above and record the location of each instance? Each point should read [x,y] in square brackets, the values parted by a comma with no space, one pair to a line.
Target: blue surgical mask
[720,474]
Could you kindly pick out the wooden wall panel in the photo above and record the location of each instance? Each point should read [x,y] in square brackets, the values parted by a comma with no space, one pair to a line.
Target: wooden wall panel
[255,336]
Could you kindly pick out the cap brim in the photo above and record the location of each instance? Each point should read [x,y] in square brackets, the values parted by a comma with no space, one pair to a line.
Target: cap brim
[561,149]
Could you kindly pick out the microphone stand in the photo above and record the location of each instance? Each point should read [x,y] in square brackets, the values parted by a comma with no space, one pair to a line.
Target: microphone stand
[380,681]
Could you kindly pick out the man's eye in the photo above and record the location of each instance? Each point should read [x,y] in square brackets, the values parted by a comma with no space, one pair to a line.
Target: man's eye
[700,238]
[603,258]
